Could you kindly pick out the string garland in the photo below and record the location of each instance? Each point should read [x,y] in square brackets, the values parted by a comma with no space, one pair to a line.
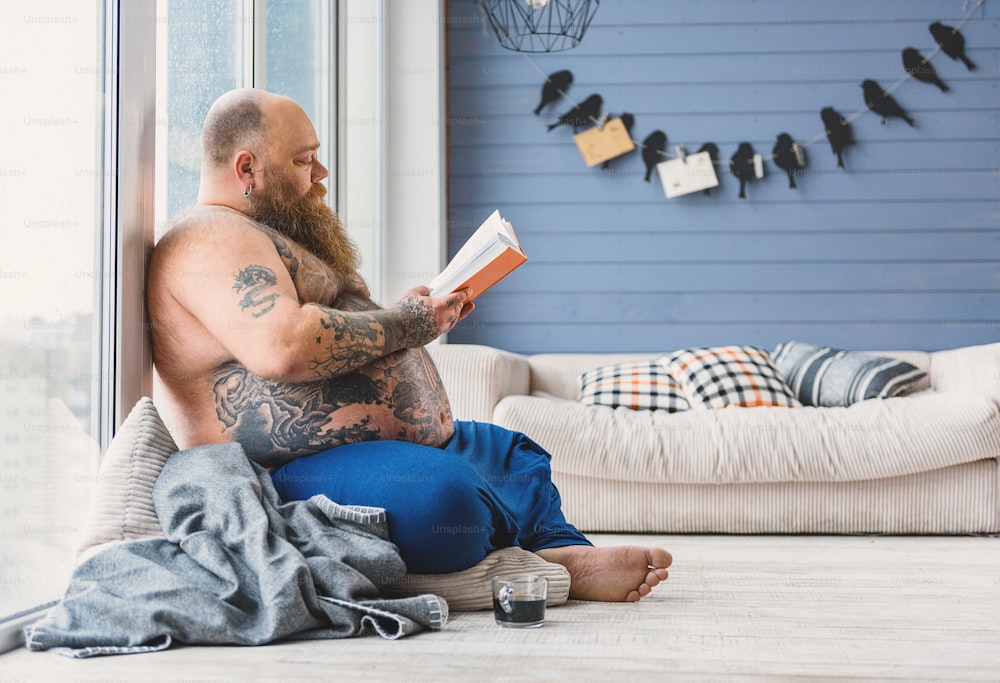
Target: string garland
[969,7]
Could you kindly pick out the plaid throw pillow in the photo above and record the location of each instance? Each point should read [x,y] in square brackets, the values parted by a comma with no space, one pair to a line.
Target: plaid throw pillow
[640,386]
[720,376]
[823,376]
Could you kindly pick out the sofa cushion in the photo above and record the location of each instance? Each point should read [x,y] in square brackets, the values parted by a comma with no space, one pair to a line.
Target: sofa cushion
[974,369]
[868,440]
[720,376]
[824,376]
[642,385]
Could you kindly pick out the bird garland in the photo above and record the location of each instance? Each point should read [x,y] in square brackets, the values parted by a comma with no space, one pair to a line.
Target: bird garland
[653,148]
[581,114]
[920,68]
[788,154]
[838,132]
[882,103]
[555,87]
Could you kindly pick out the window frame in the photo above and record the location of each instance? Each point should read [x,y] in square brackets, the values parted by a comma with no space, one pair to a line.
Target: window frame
[392,175]
[415,177]
[359,128]
[129,209]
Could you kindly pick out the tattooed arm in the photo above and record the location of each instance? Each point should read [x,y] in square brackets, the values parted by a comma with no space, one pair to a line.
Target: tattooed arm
[231,278]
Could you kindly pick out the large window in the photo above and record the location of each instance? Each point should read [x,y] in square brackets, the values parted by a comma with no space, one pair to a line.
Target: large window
[52,274]
[96,158]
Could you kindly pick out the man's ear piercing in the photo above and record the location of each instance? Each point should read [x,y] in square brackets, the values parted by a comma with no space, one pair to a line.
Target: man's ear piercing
[247,190]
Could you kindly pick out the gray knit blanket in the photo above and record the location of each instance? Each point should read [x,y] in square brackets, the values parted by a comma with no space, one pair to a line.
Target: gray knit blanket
[237,567]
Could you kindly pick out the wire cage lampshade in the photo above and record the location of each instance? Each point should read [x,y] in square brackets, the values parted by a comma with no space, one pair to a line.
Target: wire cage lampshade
[540,25]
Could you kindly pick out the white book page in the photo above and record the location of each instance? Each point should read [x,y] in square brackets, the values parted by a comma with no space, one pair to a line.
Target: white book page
[480,242]
[441,286]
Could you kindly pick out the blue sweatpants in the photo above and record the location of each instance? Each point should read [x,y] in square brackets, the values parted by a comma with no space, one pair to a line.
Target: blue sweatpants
[447,508]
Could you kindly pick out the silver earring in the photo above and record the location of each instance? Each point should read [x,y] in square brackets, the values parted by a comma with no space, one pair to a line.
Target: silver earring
[247,190]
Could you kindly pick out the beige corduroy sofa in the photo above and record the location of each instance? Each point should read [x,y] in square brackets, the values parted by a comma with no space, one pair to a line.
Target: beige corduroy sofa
[925,463]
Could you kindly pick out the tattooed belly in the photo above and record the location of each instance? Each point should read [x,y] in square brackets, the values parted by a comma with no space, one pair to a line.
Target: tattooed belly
[279,421]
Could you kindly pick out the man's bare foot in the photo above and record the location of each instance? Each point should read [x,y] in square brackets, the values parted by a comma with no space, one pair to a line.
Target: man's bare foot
[617,574]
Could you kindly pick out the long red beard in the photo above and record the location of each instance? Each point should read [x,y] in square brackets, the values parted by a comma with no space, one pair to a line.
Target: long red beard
[308,221]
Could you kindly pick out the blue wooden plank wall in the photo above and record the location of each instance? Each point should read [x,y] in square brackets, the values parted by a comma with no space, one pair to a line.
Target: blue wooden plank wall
[899,250]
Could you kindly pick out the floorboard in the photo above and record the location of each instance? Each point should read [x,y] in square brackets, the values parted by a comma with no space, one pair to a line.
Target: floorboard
[736,608]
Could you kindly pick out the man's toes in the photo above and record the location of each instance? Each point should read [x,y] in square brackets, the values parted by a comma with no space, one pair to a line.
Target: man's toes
[658,557]
[644,590]
[661,574]
[652,579]
[633,597]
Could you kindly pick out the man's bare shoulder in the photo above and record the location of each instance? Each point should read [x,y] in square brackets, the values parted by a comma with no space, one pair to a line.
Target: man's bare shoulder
[209,238]
[206,224]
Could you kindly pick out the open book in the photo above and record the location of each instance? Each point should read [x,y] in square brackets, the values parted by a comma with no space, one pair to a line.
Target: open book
[486,258]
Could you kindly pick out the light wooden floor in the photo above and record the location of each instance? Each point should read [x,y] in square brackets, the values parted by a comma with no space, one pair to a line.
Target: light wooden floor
[736,608]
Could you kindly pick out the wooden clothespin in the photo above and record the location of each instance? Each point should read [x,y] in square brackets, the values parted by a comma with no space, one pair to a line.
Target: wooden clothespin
[800,153]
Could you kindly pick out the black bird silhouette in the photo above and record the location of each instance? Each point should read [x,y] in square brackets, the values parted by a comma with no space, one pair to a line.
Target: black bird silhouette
[583,114]
[555,86]
[882,103]
[786,158]
[652,150]
[921,68]
[713,154]
[741,165]
[838,131]
[628,120]
[952,43]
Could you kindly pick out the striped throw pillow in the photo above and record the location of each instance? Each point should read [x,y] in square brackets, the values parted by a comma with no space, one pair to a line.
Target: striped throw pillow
[824,376]
[121,508]
[720,376]
[642,385]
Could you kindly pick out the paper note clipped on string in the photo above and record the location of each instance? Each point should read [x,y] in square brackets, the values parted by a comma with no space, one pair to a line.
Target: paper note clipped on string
[683,176]
[600,144]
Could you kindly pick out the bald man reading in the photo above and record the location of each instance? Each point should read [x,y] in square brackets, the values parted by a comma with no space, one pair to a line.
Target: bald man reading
[265,334]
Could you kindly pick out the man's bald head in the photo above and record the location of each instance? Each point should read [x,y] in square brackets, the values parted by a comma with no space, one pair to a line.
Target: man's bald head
[235,121]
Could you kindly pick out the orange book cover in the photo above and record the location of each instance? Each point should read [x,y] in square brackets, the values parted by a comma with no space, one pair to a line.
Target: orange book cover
[500,267]
[488,256]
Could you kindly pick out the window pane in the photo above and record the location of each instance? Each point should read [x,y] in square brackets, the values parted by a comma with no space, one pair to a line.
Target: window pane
[205,52]
[51,178]
[208,50]
[299,63]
